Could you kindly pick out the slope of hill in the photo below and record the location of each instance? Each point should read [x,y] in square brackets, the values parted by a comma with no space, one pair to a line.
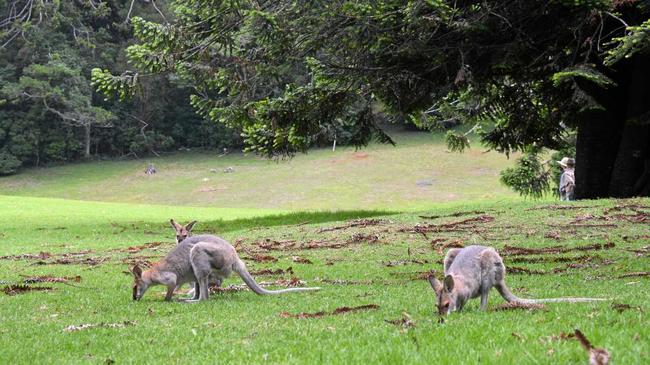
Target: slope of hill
[416,173]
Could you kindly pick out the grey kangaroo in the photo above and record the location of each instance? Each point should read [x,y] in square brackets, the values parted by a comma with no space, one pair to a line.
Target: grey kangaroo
[195,259]
[182,231]
[471,272]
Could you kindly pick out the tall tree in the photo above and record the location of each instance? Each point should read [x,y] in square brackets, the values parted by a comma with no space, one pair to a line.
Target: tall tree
[284,71]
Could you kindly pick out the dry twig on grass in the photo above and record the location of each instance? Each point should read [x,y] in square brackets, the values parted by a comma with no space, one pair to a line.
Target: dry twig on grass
[597,356]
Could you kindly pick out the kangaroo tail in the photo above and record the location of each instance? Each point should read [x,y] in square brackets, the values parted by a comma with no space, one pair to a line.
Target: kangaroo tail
[240,268]
[509,297]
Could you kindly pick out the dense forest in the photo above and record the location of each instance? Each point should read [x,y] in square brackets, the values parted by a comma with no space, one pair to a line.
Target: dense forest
[49,112]
[526,76]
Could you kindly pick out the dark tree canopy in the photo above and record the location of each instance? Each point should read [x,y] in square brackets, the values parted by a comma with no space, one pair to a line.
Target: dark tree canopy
[48,111]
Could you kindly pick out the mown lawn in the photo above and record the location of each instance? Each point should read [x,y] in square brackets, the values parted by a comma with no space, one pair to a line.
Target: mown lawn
[379,261]
[412,175]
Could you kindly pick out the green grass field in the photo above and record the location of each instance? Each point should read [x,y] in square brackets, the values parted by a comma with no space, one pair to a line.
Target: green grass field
[380,264]
[416,173]
[367,226]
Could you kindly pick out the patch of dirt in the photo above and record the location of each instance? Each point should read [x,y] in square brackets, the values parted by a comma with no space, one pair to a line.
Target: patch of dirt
[337,311]
[20,289]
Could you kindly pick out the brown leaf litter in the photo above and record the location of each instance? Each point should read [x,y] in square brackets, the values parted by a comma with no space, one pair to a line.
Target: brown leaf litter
[20,289]
[508,250]
[289,245]
[359,223]
[562,207]
[404,262]
[288,283]
[456,214]
[631,206]
[634,274]
[337,311]
[261,258]
[519,305]
[136,249]
[463,225]
[28,256]
[415,275]
[622,307]
[540,259]
[85,326]
[50,279]
[523,270]
[301,260]
[262,272]
[404,323]
[440,246]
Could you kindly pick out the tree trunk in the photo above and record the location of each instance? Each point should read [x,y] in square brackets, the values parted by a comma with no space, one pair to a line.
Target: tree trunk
[633,151]
[596,150]
[87,140]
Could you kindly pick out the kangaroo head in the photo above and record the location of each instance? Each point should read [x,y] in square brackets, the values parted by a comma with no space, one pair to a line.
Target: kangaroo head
[446,297]
[182,232]
[140,285]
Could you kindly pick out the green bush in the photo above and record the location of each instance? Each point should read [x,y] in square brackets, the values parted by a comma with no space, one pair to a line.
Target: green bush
[528,177]
[9,164]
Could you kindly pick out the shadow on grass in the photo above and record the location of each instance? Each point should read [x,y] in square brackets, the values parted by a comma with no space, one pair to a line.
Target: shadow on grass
[220,226]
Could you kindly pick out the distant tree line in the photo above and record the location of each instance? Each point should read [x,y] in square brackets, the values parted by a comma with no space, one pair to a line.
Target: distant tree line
[49,112]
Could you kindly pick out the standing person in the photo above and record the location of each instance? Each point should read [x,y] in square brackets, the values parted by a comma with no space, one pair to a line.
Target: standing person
[567,179]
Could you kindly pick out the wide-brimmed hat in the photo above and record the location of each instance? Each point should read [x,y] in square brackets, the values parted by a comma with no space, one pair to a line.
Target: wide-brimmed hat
[567,162]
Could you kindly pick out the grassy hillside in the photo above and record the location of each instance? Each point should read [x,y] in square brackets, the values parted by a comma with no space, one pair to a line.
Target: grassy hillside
[412,175]
[595,248]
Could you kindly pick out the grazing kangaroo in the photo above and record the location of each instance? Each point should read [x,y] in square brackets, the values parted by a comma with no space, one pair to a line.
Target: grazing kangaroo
[471,272]
[194,260]
[182,232]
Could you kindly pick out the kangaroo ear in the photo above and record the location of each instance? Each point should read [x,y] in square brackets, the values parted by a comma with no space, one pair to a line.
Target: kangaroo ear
[137,271]
[435,284]
[175,225]
[449,283]
[190,225]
